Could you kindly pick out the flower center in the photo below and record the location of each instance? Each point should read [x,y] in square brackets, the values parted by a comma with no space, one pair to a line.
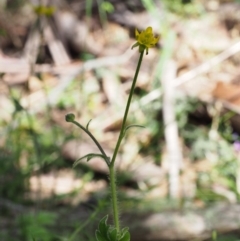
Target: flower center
[146,38]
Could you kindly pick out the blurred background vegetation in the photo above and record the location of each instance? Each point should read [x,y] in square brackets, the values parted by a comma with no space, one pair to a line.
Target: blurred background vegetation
[61,56]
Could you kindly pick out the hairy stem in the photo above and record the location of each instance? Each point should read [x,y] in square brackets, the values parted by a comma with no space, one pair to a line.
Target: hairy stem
[126,110]
[121,135]
[114,197]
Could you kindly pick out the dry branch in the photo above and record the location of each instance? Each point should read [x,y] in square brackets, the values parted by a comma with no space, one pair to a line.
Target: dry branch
[174,154]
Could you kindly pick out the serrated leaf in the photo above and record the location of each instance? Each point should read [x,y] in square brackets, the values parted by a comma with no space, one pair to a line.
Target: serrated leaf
[124,230]
[112,234]
[125,237]
[103,227]
[99,236]
[89,157]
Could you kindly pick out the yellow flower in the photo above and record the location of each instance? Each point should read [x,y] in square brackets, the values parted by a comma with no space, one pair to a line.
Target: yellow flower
[145,39]
[44,10]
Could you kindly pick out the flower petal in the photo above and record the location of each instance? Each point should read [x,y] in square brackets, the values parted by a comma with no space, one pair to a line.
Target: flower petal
[149,30]
[136,33]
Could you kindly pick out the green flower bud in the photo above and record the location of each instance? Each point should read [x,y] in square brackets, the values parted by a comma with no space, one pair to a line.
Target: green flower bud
[70,117]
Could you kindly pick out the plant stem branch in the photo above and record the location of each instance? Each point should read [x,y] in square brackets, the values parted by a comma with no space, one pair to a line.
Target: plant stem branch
[93,138]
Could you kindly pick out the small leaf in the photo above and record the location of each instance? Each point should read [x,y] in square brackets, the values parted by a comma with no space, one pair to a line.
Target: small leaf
[99,236]
[125,237]
[88,124]
[130,126]
[103,227]
[112,234]
[89,157]
[124,230]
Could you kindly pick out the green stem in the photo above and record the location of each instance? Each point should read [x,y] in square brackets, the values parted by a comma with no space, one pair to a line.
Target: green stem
[121,135]
[126,110]
[93,138]
[114,197]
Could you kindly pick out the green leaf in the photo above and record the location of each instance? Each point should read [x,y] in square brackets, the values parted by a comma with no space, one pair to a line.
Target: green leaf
[124,230]
[112,234]
[107,6]
[125,237]
[103,227]
[130,126]
[106,232]
[99,236]
[89,157]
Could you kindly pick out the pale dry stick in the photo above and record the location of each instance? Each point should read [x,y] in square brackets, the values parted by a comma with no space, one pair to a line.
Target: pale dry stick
[43,31]
[230,106]
[26,66]
[203,68]
[21,65]
[66,79]
[18,71]
[174,153]
[39,100]
[73,71]
[30,51]
[56,47]
[10,65]
[98,122]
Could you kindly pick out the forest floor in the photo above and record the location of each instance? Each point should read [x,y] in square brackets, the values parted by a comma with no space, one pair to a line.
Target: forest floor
[78,59]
